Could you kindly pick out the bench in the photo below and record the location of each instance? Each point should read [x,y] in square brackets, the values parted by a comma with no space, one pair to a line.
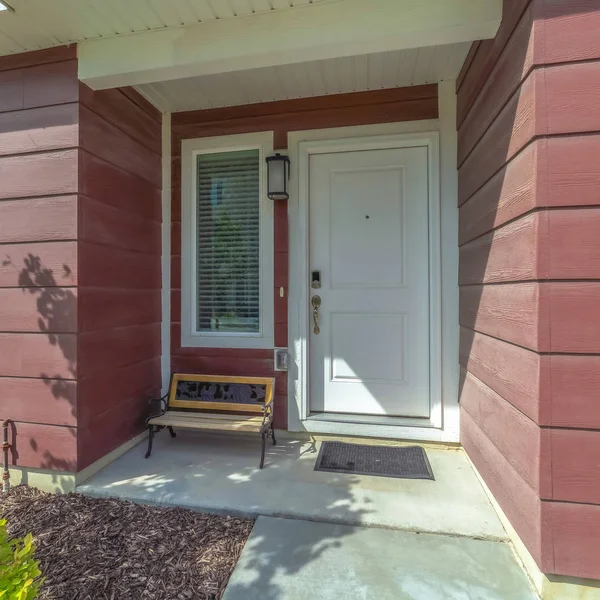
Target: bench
[216,403]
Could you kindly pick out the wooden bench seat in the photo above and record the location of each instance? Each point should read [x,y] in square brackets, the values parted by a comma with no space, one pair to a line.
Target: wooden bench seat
[207,403]
[175,418]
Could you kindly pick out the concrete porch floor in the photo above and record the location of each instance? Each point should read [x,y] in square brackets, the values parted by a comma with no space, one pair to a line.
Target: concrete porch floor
[219,473]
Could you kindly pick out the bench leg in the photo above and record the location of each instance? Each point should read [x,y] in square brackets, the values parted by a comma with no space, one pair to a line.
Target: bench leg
[262,452]
[150,438]
[173,434]
[273,436]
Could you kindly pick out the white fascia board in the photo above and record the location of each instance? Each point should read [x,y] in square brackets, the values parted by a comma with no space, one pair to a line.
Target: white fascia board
[315,32]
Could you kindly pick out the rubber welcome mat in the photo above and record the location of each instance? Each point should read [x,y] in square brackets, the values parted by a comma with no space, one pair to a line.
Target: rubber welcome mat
[407,462]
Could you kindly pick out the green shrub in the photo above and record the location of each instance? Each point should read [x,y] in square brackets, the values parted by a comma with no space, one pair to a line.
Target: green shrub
[19,571]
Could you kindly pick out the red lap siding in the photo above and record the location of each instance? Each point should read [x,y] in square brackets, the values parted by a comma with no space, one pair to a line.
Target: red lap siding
[39,134]
[80,277]
[529,280]
[119,262]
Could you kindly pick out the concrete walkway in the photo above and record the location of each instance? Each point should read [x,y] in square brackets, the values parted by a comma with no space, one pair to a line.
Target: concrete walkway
[219,473]
[296,560]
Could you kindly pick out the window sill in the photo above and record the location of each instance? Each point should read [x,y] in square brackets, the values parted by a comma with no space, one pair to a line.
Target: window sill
[250,343]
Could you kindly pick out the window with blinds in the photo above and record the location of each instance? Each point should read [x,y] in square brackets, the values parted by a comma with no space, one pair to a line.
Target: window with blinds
[228,242]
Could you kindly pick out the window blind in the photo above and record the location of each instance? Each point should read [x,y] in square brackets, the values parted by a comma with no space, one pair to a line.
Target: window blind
[228,242]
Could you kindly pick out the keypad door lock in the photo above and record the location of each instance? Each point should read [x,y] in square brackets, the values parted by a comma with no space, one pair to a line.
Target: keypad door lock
[315,280]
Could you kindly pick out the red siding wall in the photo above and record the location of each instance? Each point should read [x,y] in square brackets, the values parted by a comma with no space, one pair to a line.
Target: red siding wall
[80,176]
[39,134]
[529,181]
[404,104]
[119,265]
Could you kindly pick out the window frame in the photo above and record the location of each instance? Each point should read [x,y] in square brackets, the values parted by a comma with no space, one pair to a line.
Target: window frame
[190,336]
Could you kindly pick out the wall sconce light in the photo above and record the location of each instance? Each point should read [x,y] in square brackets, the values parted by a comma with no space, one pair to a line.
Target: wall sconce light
[278,176]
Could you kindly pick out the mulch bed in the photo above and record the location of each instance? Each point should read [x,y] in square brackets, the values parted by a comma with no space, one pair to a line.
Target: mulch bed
[97,549]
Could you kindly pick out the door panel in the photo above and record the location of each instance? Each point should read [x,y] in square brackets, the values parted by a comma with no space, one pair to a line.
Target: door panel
[369,240]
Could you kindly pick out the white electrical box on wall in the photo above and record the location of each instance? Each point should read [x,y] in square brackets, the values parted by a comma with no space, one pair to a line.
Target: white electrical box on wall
[281,359]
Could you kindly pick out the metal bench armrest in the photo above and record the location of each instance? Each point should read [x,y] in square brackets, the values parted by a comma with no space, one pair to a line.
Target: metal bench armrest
[162,409]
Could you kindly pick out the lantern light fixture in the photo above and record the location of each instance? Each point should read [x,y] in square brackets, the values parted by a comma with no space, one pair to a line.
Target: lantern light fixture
[278,176]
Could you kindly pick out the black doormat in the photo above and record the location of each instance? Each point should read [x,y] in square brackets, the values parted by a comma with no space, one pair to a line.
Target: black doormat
[407,462]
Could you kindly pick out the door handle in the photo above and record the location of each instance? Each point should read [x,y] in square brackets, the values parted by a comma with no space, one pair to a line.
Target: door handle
[316,303]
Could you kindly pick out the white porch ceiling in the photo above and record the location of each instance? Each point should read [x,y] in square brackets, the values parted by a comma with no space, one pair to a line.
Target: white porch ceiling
[37,24]
[382,70]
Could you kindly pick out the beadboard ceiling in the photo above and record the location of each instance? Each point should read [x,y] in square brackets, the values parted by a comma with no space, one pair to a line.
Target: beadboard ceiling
[399,68]
[37,24]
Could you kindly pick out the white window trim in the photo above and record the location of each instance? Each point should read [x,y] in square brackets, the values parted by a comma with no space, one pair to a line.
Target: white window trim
[190,149]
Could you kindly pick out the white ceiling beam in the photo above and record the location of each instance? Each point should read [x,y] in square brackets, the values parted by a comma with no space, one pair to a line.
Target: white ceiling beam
[314,32]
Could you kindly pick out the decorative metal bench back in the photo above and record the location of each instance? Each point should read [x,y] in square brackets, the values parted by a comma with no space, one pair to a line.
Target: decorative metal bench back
[217,392]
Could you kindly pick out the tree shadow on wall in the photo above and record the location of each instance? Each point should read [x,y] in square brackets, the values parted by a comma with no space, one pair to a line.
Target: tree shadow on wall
[57,317]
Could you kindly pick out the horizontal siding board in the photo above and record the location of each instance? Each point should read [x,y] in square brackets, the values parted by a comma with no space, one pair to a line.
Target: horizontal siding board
[515,126]
[176,312]
[573,173]
[514,373]
[47,85]
[121,111]
[146,105]
[118,426]
[43,446]
[207,364]
[46,309]
[41,85]
[43,174]
[280,418]
[510,312]
[176,273]
[38,219]
[38,57]
[573,243]
[11,91]
[575,391]
[413,110]
[51,401]
[35,130]
[38,264]
[287,108]
[106,389]
[175,239]
[106,308]
[487,56]
[508,194]
[109,226]
[106,266]
[575,531]
[38,355]
[575,466]
[507,254]
[222,354]
[116,187]
[104,140]
[517,498]
[573,28]
[575,316]
[572,97]
[517,437]
[467,64]
[105,350]
[513,65]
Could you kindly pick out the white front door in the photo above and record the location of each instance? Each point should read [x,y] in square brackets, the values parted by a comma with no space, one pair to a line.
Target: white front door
[369,248]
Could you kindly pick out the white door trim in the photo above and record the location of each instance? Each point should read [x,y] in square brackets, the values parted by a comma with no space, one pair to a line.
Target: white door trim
[396,135]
